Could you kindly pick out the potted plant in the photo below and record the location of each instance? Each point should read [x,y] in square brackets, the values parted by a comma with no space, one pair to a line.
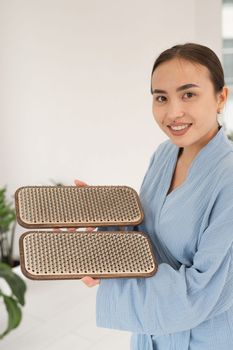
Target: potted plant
[7,229]
[14,301]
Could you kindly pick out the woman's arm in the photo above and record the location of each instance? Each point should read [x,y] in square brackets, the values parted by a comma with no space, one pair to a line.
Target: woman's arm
[176,300]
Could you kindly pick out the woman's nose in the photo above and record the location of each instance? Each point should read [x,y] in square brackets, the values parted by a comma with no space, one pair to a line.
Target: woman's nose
[175,110]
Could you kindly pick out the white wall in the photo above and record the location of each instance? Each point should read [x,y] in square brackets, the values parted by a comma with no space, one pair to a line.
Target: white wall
[227,15]
[75,81]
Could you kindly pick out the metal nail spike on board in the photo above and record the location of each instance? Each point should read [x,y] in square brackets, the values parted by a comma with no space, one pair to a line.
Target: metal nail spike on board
[73,255]
[65,255]
[72,206]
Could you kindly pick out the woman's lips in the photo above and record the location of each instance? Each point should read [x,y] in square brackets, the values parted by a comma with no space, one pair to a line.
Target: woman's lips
[179,132]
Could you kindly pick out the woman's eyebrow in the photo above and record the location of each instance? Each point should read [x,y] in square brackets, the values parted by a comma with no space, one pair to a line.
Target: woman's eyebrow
[180,88]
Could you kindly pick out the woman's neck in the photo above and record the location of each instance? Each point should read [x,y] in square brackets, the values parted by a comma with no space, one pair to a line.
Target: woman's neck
[188,153]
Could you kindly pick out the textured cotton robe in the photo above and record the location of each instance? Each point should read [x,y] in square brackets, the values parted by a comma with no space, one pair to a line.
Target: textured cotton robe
[188,303]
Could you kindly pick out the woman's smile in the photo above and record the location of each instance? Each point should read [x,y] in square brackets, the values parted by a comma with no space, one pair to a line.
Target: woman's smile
[179,130]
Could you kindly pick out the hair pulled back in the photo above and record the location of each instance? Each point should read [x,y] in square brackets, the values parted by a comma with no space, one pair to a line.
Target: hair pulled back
[195,53]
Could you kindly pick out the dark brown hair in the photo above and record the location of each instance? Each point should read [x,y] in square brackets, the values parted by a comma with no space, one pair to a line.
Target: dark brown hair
[195,53]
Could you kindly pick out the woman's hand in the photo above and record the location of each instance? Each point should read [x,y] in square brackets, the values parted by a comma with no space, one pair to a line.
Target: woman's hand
[89,281]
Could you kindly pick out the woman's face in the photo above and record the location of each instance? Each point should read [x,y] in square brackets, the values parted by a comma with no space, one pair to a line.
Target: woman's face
[184,94]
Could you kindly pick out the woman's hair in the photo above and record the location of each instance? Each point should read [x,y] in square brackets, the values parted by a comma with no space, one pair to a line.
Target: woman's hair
[198,54]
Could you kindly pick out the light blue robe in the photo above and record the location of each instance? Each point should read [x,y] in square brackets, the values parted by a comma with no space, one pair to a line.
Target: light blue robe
[188,303]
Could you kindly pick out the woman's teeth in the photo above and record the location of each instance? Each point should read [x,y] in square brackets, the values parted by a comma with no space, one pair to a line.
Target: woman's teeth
[181,127]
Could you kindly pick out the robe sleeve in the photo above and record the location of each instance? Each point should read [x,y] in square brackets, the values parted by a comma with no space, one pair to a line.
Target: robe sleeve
[177,300]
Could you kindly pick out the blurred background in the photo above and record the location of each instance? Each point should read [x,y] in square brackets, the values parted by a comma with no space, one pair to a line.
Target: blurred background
[75,103]
[75,83]
[227,61]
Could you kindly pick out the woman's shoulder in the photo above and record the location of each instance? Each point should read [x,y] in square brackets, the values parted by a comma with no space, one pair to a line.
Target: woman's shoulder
[165,145]
[162,151]
[225,168]
[222,175]
[224,157]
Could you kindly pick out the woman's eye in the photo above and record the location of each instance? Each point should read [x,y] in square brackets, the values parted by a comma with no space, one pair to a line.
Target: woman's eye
[160,98]
[188,95]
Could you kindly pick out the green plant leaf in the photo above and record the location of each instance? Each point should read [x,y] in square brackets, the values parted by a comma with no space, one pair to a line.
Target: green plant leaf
[17,285]
[14,314]
[7,212]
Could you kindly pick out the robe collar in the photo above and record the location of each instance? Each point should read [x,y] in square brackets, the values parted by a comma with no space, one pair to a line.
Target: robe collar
[210,154]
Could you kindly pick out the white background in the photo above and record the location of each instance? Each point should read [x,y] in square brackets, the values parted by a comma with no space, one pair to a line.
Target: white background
[227,33]
[75,85]
[75,103]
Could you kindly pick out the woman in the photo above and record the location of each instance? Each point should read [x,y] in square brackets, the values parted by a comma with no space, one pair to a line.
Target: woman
[187,197]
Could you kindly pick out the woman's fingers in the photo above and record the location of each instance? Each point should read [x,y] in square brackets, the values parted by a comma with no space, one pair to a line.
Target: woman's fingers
[90,282]
[56,230]
[90,229]
[72,229]
[87,280]
[80,183]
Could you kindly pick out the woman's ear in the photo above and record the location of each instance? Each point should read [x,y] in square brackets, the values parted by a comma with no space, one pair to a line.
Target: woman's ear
[222,98]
